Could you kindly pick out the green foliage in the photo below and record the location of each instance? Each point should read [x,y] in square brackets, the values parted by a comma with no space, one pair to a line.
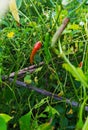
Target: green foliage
[19,3]
[85,127]
[2,124]
[25,121]
[80,116]
[27,79]
[52,111]
[46,48]
[45,126]
[4,118]
[78,70]
[59,72]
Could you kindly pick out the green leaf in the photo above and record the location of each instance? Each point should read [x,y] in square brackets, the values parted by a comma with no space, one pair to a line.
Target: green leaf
[2,124]
[42,102]
[80,115]
[38,69]
[24,121]
[19,3]
[6,117]
[52,111]
[27,79]
[78,70]
[42,115]
[45,126]
[85,127]
[63,122]
[79,125]
[46,48]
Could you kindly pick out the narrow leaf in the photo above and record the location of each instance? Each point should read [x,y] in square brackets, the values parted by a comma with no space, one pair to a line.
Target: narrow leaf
[78,70]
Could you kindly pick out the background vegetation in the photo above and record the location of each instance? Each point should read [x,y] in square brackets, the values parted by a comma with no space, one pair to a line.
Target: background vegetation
[60,68]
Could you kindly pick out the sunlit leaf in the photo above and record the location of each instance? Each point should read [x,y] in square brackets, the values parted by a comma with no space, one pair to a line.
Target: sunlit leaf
[38,69]
[42,115]
[52,111]
[85,127]
[78,70]
[45,126]
[27,79]
[79,124]
[5,117]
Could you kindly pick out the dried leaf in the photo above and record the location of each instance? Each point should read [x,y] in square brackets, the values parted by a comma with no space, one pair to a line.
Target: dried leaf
[14,10]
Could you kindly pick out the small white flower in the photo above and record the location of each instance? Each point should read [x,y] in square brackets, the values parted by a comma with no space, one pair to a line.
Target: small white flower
[66,2]
[81,23]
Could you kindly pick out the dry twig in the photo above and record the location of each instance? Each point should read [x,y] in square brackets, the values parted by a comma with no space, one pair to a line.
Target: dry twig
[47,93]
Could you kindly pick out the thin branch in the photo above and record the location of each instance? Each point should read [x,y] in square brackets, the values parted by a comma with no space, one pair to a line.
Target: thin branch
[30,69]
[47,93]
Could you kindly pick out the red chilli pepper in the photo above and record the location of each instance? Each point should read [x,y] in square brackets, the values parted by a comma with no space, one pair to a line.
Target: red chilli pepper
[36,47]
[81,64]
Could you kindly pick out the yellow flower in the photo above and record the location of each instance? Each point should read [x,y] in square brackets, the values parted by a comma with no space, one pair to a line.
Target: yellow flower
[61,93]
[36,80]
[74,26]
[70,112]
[10,35]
